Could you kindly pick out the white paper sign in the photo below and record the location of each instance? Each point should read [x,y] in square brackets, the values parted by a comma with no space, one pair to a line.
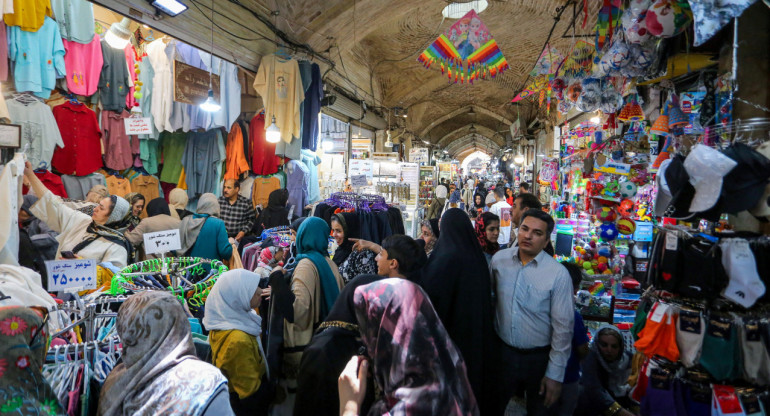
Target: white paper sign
[162,242]
[71,274]
[358,181]
[138,125]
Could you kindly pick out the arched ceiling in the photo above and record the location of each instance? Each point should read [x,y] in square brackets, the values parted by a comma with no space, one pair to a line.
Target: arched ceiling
[374,45]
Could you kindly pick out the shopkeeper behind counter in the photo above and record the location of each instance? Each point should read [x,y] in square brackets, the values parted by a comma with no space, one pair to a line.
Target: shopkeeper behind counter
[88,237]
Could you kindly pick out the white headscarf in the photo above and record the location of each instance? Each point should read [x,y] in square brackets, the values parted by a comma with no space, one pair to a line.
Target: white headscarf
[441,191]
[228,306]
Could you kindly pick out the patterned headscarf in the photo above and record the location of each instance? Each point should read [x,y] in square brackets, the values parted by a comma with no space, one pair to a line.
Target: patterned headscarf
[482,221]
[23,390]
[418,368]
[159,373]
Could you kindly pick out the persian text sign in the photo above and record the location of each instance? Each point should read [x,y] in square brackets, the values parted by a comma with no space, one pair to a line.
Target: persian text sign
[162,242]
[138,125]
[358,181]
[71,274]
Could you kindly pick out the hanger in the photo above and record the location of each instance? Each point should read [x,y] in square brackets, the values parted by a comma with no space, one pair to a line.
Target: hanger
[71,98]
[282,53]
[25,98]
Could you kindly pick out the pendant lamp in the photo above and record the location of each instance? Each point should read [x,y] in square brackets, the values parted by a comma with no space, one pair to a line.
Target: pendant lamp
[273,133]
[211,105]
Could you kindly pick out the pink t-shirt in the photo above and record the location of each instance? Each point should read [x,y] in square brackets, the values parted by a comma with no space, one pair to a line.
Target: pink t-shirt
[84,65]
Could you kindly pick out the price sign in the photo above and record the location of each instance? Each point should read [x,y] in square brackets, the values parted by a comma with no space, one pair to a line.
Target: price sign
[138,125]
[71,274]
[162,242]
[358,181]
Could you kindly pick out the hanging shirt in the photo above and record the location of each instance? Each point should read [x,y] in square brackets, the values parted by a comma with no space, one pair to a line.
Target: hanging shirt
[146,185]
[53,182]
[117,144]
[172,147]
[262,189]
[291,150]
[130,54]
[311,161]
[113,84]
[263,158]
[78,186]
[84,65]
[38,58]
[162,86]
[3,52]
[278,83]
[119,186]
[28,15]
[145,77]
[297,180]
[197,118]
[80,132]
[39,129]
[311,106]
[200,159]
[148,153]
[75,19]
[236,160]
[180,112]
[229,91]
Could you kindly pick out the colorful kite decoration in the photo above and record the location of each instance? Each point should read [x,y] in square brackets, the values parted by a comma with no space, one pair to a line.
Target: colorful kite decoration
[548,62]
[538,84]
[579,63]
[466,51]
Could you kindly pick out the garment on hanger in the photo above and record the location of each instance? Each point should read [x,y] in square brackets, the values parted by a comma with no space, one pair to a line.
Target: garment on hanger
[262,188]
[279,84]
[148,154]
[38,129]
[297,183]
[113,83]
[145,77]
[75,19]
[77,187]
[172,147]
[38,57]
[236,161]
[263,158]
[311,161]
[3,50]
[147,185]
[311,106]
[130,54]
[229,91]
[162,86]
[52,181]
[118,185]
[81,154]
[28,15]
[118,146]
[200,159]
[83,62]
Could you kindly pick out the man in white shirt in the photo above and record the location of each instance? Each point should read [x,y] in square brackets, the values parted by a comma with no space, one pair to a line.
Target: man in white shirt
[502,209]
[534,316]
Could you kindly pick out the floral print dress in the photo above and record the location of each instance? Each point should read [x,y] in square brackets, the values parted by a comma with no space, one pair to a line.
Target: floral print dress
[358,262]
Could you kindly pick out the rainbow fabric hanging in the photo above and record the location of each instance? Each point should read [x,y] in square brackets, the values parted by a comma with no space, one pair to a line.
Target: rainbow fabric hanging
[466,51]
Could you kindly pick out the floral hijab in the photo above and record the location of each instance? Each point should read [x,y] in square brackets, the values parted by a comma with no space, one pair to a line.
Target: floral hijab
[482,221]
[416,365]
[23,345]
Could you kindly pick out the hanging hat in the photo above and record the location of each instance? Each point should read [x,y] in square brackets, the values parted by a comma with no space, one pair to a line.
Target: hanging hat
[664,154]
[707,168]
[745,185]
[682,191]
[660,127]
[623,116]
[635,111]
[663,197]
[676,117]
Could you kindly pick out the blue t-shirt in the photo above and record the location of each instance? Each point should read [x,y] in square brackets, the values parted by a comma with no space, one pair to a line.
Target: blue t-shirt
[579,337]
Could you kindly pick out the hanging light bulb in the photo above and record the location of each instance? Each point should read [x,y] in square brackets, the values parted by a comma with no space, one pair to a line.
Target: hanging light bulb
[519,159]
[327,145]
[273,133]
[211,105]
[389,141]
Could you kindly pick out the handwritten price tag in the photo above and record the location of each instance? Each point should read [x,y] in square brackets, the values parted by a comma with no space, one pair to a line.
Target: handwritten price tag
[71,274]
[138,125]
[162,242]
[358,181]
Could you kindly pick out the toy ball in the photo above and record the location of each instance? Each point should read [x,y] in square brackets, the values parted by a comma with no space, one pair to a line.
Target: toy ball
[592,244]
[602,267]
[608,231]
[606,215]
[627,189]
[602,259]
[590,272]
[605,252]
[587,265]
[626,207]
[574,91]
[608,271]
[138,95]
[626,226]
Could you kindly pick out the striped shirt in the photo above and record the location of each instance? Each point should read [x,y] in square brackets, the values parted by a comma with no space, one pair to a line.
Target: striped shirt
[238,217]
[534,306]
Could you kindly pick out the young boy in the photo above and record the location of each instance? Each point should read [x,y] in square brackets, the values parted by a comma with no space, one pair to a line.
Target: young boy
[399,256]
[570,390]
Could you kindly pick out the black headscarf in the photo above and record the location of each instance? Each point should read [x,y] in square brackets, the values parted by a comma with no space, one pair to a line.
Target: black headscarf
[456,278]
[276,213]
[434,228]
[336,341]
[483,197]
[157,206]
[352,228]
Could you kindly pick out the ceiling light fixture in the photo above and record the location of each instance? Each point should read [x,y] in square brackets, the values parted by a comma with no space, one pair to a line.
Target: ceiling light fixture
[211,105]
[457,10]
[170,7]
[118,35]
